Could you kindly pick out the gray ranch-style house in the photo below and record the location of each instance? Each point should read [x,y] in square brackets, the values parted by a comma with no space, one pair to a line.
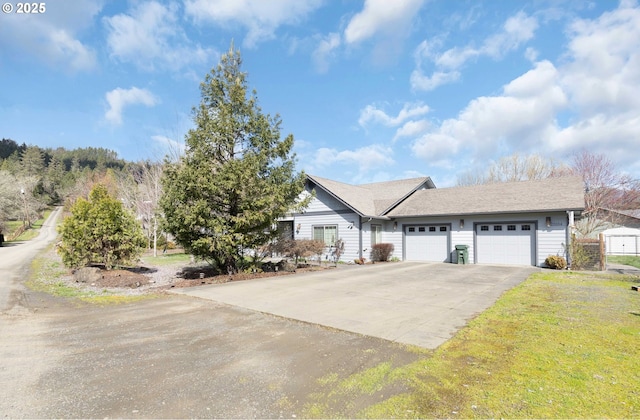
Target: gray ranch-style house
[518,223]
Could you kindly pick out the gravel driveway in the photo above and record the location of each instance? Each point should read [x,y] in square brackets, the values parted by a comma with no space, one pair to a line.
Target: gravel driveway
[168,357]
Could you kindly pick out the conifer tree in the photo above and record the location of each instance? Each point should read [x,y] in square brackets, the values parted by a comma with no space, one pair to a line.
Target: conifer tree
[236,177]
[99,230]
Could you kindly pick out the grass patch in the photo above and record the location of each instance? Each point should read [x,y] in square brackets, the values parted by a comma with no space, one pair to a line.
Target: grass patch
[560,345]
[624,259]
[167,259]
[31,232]
[47,275]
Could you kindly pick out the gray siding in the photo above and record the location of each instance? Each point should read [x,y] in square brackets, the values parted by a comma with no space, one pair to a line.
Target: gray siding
[326,210]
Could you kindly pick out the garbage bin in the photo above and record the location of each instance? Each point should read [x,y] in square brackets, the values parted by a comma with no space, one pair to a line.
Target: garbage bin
[462,251]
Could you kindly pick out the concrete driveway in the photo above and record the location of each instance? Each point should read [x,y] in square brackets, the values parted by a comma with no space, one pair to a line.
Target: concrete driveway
[421,304]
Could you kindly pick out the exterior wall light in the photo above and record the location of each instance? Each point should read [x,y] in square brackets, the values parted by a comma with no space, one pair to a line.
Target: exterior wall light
[461,223]
[548,221]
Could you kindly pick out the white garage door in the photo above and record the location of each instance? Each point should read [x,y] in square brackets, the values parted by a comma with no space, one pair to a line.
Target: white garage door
[427,243]
[622,245]
[505,243]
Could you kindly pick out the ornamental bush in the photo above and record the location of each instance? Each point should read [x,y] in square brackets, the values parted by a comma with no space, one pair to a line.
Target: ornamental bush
[556,262]
[381,252]
[99,230]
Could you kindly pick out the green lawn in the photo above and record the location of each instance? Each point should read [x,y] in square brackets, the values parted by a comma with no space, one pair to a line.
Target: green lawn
[167,259]
[560,345]
[624,259]
[46,275]
[30,233]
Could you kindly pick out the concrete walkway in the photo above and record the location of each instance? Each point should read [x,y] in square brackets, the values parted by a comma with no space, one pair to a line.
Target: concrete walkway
[421,304]
[623,269]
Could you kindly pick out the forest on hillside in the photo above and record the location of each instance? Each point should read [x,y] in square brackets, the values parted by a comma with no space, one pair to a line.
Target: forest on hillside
[34,178]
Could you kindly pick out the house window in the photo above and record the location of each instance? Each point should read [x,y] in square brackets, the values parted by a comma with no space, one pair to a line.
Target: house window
[511,227]
[412,229]
[443,228]
[327,234]
[376,234]
[497,227]
[484,228]
[526,227]
[432,228]
[421,229]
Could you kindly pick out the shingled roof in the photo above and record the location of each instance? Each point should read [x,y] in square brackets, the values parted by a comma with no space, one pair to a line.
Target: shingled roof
[372,200]
[551,194]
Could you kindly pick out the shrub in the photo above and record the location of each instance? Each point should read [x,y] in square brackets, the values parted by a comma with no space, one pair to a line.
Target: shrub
[381,252]
[299,248]
[99,230]
[556,262]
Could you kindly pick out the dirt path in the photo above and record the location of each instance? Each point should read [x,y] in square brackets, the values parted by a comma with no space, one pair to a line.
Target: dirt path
[16,256]
[169,357]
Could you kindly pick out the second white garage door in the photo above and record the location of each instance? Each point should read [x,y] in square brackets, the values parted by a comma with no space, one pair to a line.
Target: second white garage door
[505,243]
[427,243]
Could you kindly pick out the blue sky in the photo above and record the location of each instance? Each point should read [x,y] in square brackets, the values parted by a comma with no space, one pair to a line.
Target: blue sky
[372,90]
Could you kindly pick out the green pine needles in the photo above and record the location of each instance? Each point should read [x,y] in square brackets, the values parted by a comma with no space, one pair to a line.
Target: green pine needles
[223,197]
[99,230]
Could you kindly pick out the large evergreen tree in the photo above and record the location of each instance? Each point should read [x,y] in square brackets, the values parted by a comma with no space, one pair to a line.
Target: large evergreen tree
[237,175]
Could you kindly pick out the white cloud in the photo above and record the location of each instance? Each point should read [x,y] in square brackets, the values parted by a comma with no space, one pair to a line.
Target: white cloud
[260,18]
[521,116]
[325,51]
[381,16]
[531,54]
[52,36]
[120,98]
[516,31]
[412,129]
[150,36]
[419,81]
[591,101]
[169,146]
[603,75]
[364,158]
[410,110]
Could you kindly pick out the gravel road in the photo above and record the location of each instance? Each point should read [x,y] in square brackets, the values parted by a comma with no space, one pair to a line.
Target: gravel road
[168,357]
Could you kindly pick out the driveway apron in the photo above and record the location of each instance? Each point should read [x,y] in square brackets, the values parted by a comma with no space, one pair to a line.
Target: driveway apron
[414,303]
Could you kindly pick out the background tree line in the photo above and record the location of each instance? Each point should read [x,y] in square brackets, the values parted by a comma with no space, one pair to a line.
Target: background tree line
[34,178]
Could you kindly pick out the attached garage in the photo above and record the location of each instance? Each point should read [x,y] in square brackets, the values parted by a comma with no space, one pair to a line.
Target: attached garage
[505,243]
[427,243]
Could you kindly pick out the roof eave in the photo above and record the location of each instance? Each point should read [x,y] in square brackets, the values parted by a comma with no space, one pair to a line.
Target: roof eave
[315,181]
[489,213]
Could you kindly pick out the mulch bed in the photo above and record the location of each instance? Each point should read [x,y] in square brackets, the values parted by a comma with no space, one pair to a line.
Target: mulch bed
[188,277]
[132,278]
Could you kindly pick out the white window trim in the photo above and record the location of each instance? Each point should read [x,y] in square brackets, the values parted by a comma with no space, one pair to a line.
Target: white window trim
[324,238]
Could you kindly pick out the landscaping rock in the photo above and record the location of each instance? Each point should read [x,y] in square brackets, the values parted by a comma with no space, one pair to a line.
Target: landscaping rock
[87,275]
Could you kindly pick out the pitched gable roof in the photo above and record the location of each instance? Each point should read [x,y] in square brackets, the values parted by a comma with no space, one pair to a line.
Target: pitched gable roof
[629,213]
[551,194]
[372,200]
[634,214]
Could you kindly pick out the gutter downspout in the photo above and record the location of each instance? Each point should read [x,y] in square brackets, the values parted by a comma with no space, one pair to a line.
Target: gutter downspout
[360,236]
